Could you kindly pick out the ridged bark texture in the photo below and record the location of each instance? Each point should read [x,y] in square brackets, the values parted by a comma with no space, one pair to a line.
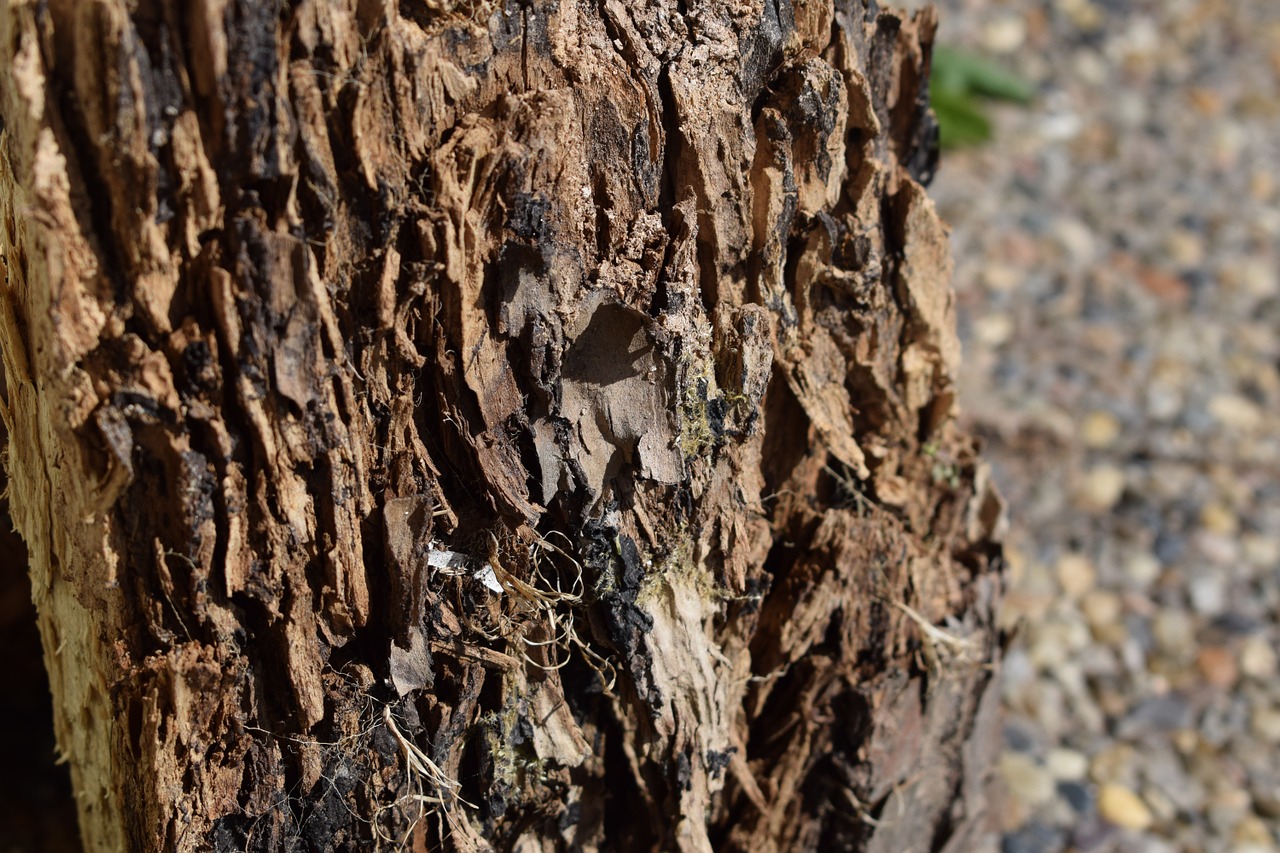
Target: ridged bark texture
[521,426]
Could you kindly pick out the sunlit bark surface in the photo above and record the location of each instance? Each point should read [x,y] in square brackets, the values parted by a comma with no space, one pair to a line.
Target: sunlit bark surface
[520,427]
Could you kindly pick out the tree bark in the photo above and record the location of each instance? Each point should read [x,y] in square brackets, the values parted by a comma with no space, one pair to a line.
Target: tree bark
[515,427]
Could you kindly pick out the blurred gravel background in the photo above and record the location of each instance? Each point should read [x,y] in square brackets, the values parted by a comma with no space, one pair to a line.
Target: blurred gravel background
[1117,252]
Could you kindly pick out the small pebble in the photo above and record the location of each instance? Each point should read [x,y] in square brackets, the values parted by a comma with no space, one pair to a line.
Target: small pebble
[1208,594]
[1076,575]
[1264,788]
[1091,833]
[1252,832]
[1164,285]
[1077,796]
[1165,771]
[1150,844]
[1174,633]
[1204,100]
[1185,247]
[1258,658]
[1254,847]
[1217,518]
[1227,806]
[1013,814]
[1218,666]
[1099,430]
[1266,725]
[1076,238]
[994,330]
[1186,741]
[1258,278]
[1005,34]
[1002,277]
[1085,14]
[1026,779]
[1233,623]
[1143,568]
[1159,803]
[1235,412]
[1054,641]
[1066,764]
[1217,548]
[1164,400]
[1112,763]
[1033,838]
[1262,551]
[1071,676]
[1262,185]
[1101,608]
[1122,807]
[1169,546]
[1133,655]
[1045,701]
[1021,736]
[1227,143]
[1156,715]
[1131,109]
[1100,489]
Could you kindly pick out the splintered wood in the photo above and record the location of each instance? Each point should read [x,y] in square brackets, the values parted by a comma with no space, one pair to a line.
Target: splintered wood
[469,426]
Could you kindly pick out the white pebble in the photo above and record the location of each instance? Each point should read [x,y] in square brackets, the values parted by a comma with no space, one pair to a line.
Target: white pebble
[1258,658]
[1143,568]
[1235,412]
[1026,779]
[1005,34]
[1208,594]
[1067,764]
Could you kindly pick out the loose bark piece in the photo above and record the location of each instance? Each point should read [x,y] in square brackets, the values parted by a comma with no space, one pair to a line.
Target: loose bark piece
[514,426]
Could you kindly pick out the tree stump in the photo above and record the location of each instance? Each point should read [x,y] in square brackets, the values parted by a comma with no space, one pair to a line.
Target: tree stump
[517,427]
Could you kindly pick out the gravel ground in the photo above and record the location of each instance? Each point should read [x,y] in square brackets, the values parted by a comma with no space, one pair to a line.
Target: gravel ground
[1118,273]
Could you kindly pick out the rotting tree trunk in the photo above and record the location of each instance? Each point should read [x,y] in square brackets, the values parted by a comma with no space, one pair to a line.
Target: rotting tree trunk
[527,426]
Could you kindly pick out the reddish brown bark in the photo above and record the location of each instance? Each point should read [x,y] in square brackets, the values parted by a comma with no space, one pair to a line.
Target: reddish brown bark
[516,427]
